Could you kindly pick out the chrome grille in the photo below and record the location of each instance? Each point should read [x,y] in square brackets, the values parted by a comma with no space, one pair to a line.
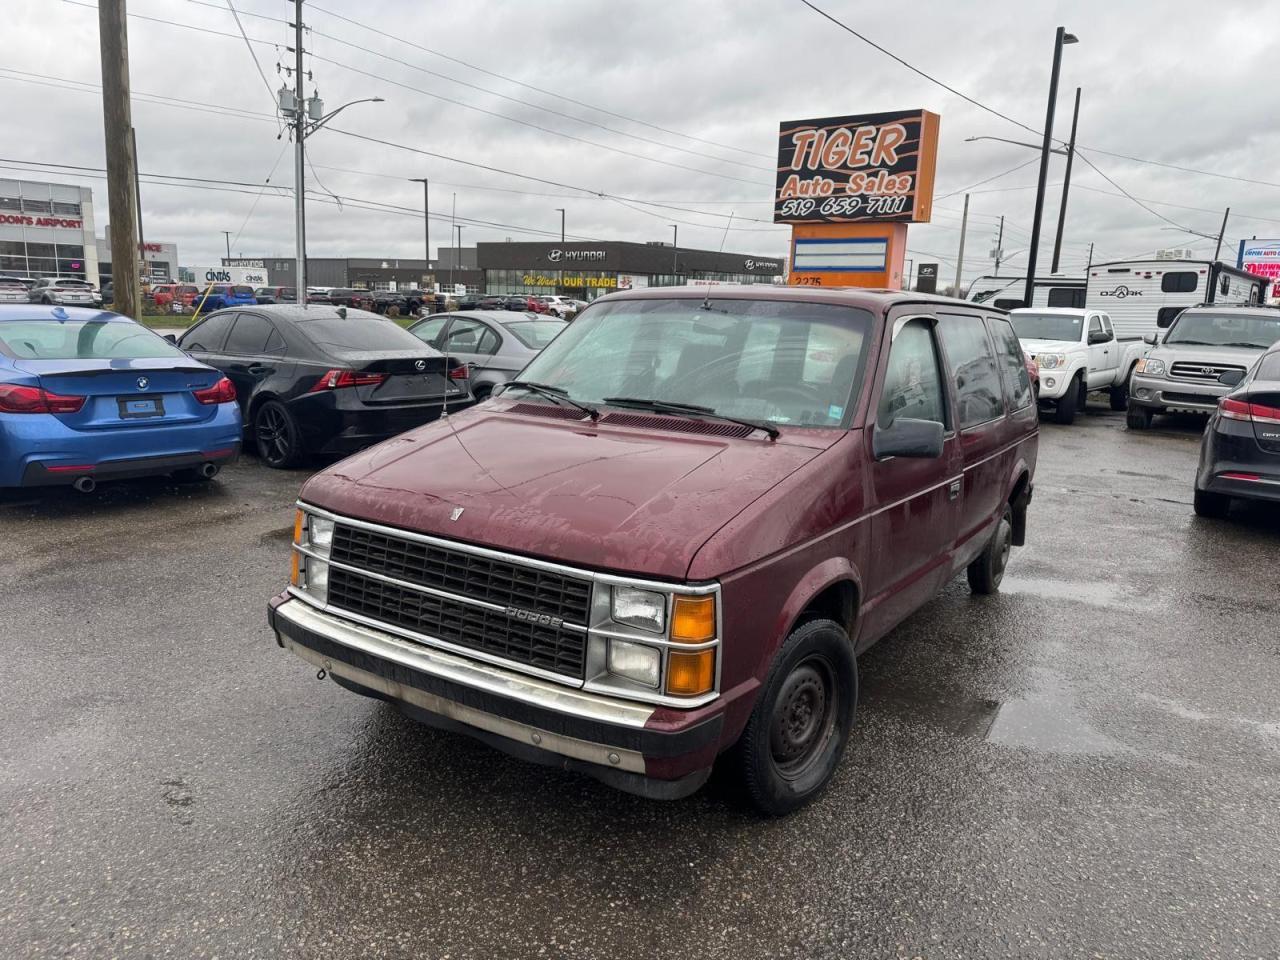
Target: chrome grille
[1201,372]
[485,581]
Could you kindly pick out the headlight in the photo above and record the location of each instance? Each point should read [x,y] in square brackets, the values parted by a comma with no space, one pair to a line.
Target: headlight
[1049,361]
[319,534]
[640,608]
[634,661]
[1152,368]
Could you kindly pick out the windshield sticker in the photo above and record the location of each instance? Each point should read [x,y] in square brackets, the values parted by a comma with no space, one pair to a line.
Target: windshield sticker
[834,412]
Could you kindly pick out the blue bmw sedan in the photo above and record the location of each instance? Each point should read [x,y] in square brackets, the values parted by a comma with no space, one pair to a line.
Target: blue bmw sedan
[88,395]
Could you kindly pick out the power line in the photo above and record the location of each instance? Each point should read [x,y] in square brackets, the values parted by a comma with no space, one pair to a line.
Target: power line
[529,86]
[988,180]
[252,54]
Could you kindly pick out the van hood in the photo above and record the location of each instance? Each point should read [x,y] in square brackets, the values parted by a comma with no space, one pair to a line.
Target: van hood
[590,495]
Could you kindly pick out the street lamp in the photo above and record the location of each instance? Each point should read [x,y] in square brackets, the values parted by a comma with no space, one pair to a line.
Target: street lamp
[1061,39]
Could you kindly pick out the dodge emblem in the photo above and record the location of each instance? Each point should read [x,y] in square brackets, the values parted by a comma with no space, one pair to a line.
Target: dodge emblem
[457,512]
[143,383]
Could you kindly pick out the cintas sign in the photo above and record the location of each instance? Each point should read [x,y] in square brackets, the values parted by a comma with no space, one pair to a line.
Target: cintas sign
[875,167]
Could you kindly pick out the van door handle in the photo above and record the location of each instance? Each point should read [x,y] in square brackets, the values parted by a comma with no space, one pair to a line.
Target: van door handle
[953,491]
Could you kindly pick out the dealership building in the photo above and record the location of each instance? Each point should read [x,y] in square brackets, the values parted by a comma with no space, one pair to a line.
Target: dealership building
[46,230]
[581,270]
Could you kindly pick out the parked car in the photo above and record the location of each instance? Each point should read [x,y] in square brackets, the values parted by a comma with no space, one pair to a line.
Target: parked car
[269,295]
[322,379]
[1078,354]
[12,290]
[494,344]
[562,307]
[384,300]
[178,297]
[108,293]
[219,296]
[1240,449]
[674,532]
[1184,368]
[1033,371]
[523,304]
[87,396]
[491,302]
[27,282]
[350,297]
[64,290]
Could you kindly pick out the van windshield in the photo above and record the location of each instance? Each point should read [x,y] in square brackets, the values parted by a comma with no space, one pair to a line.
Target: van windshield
[1046,326]
[788,363]
[1225,330]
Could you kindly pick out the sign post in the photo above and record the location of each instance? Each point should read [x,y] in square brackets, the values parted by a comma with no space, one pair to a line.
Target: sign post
[849,186]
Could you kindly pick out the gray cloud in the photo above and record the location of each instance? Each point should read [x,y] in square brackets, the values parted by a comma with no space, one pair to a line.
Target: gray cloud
[1186,86]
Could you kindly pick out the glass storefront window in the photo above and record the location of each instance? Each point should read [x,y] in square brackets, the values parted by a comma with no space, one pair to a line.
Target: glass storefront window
[70,251]
[36,206]
[10,203]
[41,250]
[64,209]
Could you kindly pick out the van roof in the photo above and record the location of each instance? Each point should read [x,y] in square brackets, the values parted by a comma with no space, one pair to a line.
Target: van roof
[873,299]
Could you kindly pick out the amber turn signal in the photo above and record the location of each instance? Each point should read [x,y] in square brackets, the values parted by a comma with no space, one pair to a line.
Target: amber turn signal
[293,569]
[297,526]
[693,619]
[691,674]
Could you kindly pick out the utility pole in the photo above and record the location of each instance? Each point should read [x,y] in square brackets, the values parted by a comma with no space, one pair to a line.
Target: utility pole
[560,284]
[122,195]
[459,248]
[1221,233]
[227,235]
[910,269]
[453,225]
[137,197]
[1089,265]
[964,226]
[426,214]
[299,159]
[1060,38]
[999,246]
[675,251]
[1066,186]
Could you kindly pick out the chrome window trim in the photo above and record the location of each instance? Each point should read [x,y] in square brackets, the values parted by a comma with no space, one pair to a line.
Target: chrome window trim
[594,578]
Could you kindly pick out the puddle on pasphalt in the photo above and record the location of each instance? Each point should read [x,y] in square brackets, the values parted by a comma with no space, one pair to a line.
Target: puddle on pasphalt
[1049,720]
[1095,594]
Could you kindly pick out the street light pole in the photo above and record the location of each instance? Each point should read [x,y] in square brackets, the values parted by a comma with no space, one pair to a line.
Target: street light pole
[675,248]
[459,254]
[1066,185]
[227,234]
[999,245]
[1221,233]
[1060,39]
[964,227]
[426,214]
[560,283]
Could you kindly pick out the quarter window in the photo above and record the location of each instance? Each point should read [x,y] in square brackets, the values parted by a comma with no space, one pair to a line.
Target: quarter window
[431,330]
[972,364]
[471,336]
[1017,382]
[913,381]
[1179,281]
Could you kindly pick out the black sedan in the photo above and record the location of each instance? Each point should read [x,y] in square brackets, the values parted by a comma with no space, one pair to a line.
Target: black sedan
[1240,450]
[323,379]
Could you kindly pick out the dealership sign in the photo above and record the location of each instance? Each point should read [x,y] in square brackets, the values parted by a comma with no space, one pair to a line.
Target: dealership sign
[246,276]
[559,255]
[609,282]
[23,220]
[875,167]
[1261,257]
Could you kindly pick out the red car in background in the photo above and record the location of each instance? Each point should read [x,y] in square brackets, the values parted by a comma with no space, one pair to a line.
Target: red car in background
[1033,371]
[174,296]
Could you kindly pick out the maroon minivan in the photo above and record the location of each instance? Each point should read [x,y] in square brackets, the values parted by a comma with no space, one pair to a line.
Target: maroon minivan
[672,535]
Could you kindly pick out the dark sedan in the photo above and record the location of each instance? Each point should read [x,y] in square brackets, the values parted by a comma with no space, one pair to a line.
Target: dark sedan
[1240,450]
[348,297]
[323,379]
[276,295]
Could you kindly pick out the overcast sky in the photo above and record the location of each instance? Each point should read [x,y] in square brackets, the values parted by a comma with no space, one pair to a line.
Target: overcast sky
[1193,85]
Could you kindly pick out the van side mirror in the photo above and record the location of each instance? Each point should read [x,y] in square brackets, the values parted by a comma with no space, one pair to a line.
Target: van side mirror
[1231,378]
[907,437]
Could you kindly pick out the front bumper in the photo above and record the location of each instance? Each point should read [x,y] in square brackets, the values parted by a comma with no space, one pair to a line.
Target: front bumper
[1162,393]
[1054,382]
[604,737]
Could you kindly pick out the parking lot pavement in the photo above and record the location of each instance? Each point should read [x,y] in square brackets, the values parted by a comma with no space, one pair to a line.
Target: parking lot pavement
[1086,765]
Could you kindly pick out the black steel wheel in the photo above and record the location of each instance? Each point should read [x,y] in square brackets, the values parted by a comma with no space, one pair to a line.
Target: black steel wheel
[801,722]
[277,435]
[986,572]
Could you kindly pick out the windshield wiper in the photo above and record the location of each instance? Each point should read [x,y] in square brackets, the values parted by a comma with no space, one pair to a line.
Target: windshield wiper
[689,409]
[1241,343]
[1190,343]
[557,395]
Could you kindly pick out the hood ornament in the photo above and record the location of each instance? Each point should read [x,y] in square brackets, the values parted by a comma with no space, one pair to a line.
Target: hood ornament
[457,512]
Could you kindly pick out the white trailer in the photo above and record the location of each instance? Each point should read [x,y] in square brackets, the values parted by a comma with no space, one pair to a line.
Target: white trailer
[1143,296]
[1009,292]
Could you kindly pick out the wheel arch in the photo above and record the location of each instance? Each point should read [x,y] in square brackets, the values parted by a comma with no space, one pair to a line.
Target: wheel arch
[832,590]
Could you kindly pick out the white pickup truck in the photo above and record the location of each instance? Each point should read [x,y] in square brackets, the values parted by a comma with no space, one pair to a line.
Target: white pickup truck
[1078,354]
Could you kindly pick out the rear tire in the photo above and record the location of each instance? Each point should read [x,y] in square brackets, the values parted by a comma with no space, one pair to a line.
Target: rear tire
[1138,418]
[1213,506]
[986,572]
[276,432]
[800,725]
[1065,412]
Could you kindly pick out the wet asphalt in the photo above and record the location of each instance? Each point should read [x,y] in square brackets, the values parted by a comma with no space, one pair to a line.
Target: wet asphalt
[1087,765]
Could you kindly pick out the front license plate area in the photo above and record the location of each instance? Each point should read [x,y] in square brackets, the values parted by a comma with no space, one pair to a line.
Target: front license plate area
[140,408]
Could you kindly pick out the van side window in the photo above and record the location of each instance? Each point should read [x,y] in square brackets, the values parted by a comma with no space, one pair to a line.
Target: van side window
[1017,382]
[973,367]
[913,381]
[1179,281]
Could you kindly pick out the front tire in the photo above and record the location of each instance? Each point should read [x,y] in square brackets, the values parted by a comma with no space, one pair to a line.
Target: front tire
[986,572]
[1065,412]
[1138,418]
[276,431]
[800,726]
[1212,506]
[1120,395]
